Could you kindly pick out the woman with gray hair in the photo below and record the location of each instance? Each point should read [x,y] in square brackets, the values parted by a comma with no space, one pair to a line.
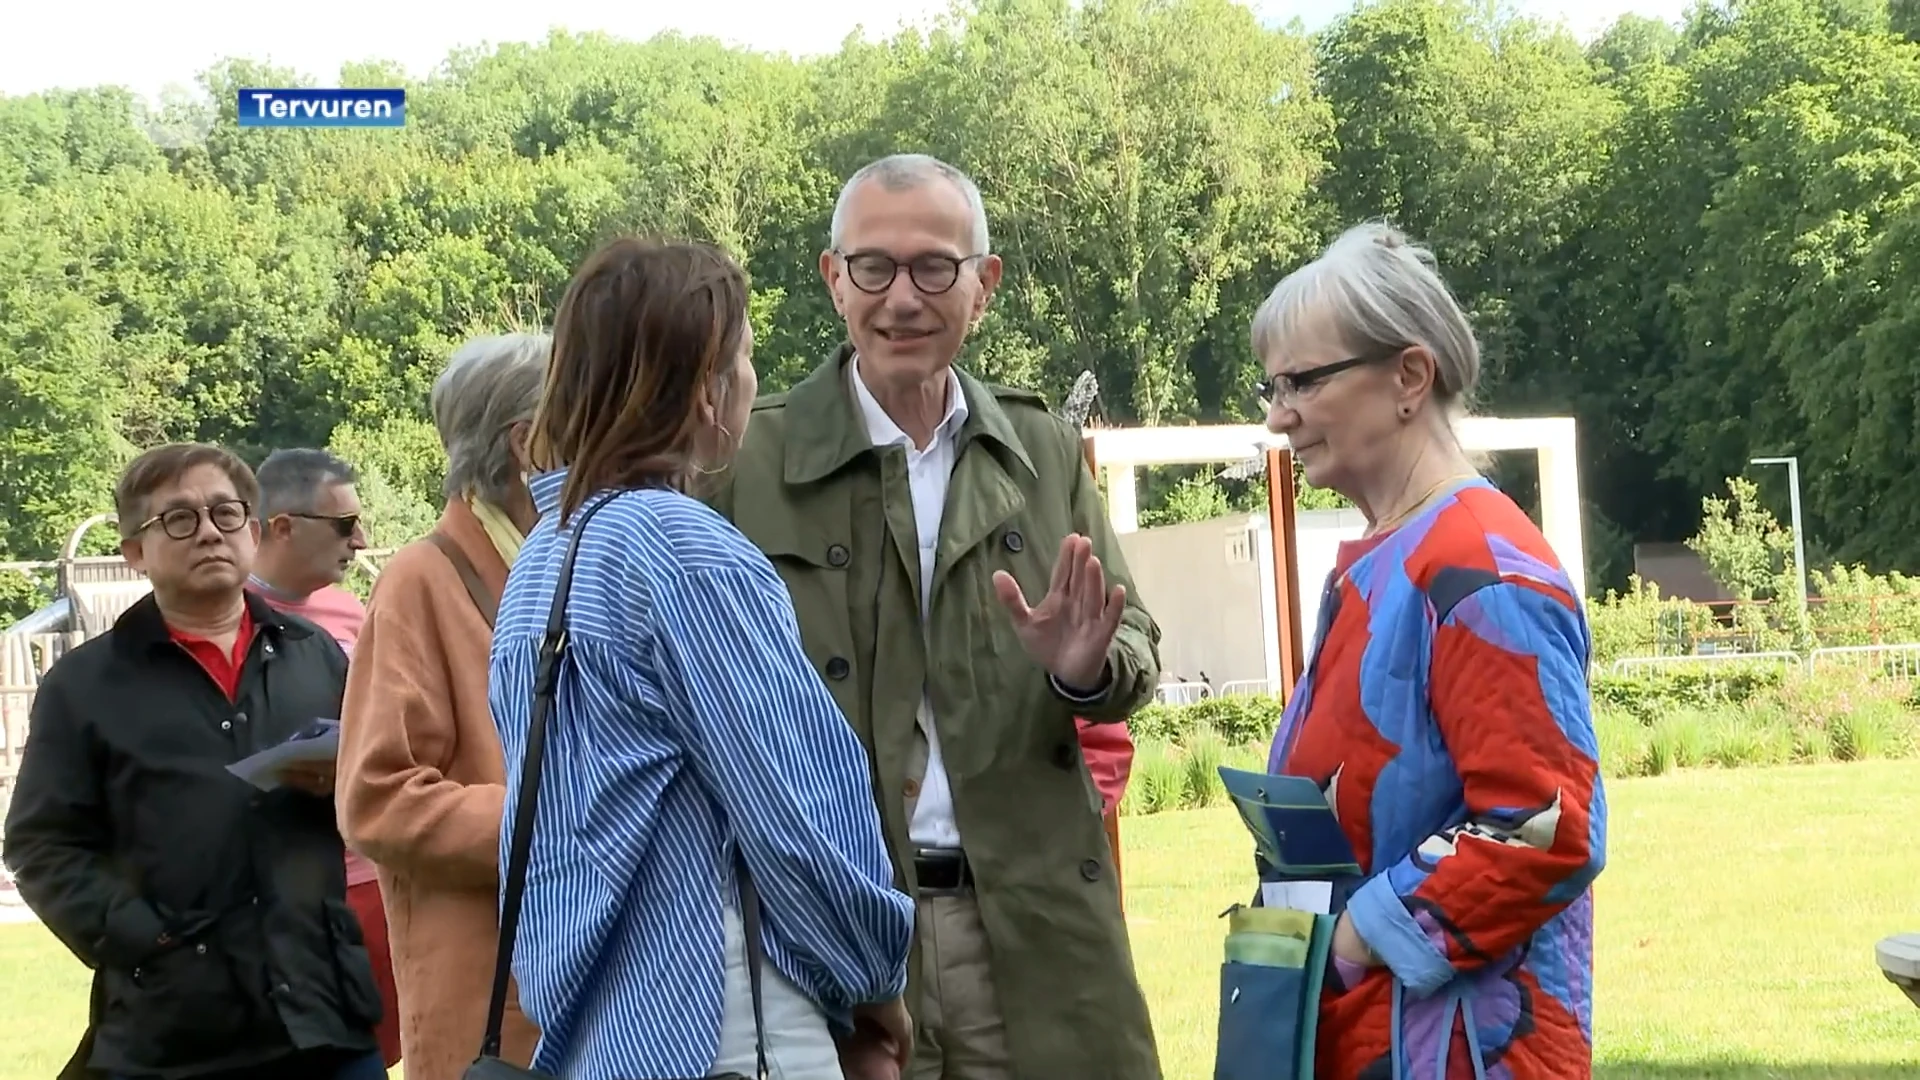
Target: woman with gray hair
[1444,713]
[421,778]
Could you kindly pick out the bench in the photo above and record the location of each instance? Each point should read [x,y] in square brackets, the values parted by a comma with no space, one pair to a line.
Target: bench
[1899,958]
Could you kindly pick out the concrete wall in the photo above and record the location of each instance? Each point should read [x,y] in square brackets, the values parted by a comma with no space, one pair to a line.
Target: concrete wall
[1319,535]
[1209,584]
[1202,582]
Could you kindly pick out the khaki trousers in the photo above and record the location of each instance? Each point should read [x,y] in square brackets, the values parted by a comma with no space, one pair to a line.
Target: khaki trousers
[959,1033]
[958,1030]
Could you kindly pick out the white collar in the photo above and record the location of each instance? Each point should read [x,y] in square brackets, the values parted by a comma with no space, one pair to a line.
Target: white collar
[881,428]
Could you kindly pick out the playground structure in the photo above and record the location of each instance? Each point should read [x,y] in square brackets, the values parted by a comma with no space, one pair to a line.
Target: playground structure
[1119,453]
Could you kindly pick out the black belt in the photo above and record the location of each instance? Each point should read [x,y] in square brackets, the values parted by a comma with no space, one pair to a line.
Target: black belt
[942,870]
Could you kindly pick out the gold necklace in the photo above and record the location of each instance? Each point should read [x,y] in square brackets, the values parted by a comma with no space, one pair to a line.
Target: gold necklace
[1426,497]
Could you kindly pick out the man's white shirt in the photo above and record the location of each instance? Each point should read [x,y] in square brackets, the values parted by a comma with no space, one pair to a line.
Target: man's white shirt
[929,471]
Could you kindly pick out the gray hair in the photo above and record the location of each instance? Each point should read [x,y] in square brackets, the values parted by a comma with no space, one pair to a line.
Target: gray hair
[490,384]
[1379,291]
[901,172]
[291,480]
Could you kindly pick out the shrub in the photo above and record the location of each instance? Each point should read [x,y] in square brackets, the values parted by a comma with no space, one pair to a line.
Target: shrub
[1848,606]
[1648,693]
[1203,754]
[1712,716]
[1640,622]
[1167,776]
[1158,781]
[1859,608]
[1238,719]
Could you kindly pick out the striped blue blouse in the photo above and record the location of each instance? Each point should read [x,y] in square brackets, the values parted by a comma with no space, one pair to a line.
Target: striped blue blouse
[687,718]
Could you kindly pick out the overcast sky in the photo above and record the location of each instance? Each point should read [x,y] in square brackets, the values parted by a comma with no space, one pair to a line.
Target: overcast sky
[147,44]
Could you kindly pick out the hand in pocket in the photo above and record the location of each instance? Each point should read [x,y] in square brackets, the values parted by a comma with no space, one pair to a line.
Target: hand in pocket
[881,1043]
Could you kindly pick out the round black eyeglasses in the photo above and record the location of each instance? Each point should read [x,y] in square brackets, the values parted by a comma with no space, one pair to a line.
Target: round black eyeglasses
[181,522]
[875,271]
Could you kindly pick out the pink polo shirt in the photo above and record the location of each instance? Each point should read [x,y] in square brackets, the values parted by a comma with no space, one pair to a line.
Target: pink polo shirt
[340,614]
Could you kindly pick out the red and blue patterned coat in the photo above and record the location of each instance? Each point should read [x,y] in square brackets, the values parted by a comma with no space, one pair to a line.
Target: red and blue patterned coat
[1446,714]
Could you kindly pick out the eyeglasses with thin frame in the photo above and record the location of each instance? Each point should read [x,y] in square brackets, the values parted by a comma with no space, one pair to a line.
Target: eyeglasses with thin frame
[1287,386]
[875,271]
[343,524]
[182,522]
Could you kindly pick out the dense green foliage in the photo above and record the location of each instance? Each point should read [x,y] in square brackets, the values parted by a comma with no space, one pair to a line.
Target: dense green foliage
[1697,240]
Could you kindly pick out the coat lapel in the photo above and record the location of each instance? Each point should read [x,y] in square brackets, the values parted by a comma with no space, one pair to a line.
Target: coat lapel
[824,429]
[989,481]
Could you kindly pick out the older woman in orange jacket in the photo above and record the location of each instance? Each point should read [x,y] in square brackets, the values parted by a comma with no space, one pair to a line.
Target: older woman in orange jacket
[421,780]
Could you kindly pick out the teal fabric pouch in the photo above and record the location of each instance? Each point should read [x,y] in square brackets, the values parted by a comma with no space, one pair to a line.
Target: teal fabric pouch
[1270,983]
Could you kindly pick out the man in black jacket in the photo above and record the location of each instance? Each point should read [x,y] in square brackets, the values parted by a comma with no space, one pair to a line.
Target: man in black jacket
[213,913]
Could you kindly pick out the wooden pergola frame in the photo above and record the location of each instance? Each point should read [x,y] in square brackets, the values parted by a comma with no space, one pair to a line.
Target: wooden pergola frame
[1281,497]
[1127,449]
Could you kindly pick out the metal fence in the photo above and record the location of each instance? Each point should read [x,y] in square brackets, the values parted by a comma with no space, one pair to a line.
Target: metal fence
[1898,662]
[1640,665]
[1182,693]
[1246,688]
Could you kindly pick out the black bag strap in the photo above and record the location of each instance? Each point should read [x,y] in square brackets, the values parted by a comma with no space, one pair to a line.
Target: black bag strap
[750,925]
[546,681]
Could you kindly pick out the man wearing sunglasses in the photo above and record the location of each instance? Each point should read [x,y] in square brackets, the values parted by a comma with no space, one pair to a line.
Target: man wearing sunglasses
[213,913]
[310,533]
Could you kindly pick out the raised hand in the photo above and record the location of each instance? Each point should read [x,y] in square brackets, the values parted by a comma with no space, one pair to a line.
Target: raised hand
[1069,631]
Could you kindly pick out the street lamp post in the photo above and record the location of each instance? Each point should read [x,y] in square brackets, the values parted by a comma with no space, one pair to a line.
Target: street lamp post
[1799,535]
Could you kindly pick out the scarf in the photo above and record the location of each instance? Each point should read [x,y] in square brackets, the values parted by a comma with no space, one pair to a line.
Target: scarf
[499,527]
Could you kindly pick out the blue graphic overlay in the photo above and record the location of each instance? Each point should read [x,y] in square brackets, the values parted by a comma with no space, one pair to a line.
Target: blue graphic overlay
[308,108]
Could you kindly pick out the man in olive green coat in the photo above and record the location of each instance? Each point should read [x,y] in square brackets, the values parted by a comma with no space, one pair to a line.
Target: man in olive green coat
[959,587]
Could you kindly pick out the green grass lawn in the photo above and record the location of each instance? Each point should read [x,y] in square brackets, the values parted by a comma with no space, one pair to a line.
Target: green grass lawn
[1737,919]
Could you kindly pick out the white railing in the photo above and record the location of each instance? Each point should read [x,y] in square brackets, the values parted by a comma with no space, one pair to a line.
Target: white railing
[16,704]
[1636,664]
[1246,688]
[1182,693]
[1899,662]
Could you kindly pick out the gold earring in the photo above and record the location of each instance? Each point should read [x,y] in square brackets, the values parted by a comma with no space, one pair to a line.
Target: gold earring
[717,470]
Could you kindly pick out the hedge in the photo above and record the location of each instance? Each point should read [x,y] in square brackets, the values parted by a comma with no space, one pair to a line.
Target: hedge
[1726,715]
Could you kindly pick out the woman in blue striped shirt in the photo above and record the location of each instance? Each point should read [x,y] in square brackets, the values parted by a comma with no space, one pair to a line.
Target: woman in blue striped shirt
[688,724]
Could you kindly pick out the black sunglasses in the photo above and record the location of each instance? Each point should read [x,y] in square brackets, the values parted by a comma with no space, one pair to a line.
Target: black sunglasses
[182,522]
[343,524]
[875,271]
[1288,385]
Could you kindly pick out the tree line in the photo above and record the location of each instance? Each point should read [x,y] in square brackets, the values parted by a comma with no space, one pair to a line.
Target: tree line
[1698,239]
